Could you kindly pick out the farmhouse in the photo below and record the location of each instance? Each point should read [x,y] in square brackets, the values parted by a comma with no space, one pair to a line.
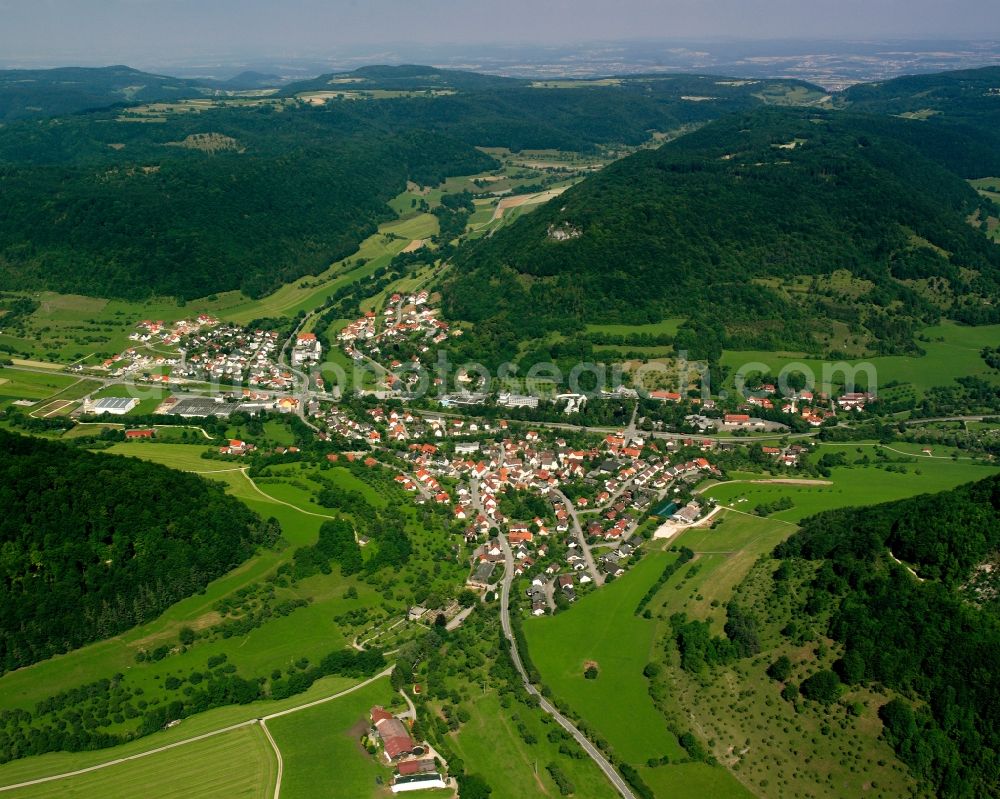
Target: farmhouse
[396,741]
[138,434]
[665,396]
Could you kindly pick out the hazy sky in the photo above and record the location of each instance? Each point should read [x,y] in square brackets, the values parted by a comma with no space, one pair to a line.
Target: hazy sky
[111,31]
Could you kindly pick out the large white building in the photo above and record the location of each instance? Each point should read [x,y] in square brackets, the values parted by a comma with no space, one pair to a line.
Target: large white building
[509,400]
[118,406]
[418,782]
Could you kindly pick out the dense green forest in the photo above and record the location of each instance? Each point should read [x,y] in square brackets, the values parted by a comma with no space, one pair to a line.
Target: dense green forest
[701,223]
[290,192]
[500,112]
[94,544]
[51,92]
[921,637]
[247,196]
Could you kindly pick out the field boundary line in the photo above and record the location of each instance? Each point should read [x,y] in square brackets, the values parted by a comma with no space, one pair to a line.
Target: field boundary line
[211,734]
[128,758]
[277,754]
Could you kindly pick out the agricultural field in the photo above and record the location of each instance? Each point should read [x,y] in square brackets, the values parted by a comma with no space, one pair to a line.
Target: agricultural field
[793,95]
[321,748]
[17,384]
[575,84]
[602,627]
[235,764]
[694,780]
[724,554]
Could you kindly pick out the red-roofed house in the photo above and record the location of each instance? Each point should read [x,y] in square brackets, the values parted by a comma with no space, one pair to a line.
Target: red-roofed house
[396,741]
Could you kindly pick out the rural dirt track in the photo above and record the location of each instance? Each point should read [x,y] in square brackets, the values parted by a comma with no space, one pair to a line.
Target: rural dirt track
[384,673]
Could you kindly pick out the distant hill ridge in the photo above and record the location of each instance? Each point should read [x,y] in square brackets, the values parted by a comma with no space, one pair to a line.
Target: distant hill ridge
[709,227]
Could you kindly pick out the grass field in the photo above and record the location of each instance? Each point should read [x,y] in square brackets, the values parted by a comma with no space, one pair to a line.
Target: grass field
[321,750]
[857,485]
[602,627]
[238,764]
[724,556]
[666,327]
[953,351]
[692,781]
[490,737]
[18,384]
[61,762]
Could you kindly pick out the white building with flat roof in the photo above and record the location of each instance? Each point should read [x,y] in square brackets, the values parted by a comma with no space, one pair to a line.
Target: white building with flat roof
[118,406]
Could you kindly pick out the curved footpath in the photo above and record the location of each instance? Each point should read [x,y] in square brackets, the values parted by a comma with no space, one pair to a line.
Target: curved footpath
[595,754]
[261,720]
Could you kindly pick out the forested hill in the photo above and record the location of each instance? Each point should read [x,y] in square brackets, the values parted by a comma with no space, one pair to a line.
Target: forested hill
[955,107]
[933,638]
[712,225]
[93,544]
[574,115]
[51,92]
[191,204]
[970,96]
[189,200]
[406,77]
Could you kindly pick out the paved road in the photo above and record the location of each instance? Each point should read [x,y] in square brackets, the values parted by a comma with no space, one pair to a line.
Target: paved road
[456,622]
[581,539]
[595,754]
[203,736]
[665,436]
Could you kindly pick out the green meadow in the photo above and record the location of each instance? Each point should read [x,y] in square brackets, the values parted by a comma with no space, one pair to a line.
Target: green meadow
[724,556]
[857,484]
[490,737]
[694,780]
[211,720]
[667,327]
[951,351]
[321,748]
[235,765]
[602,627]
[19,384]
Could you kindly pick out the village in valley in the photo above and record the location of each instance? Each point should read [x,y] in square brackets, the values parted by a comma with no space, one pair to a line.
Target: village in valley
[540,507]
[559,511]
